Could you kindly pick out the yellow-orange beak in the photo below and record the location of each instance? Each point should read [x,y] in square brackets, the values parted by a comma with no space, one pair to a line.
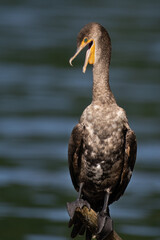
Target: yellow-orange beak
[90,54]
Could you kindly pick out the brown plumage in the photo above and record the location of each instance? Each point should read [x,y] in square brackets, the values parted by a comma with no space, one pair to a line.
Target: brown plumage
[102,147]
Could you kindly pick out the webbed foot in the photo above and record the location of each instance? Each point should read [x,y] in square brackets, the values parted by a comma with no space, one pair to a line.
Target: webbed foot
[79,203]
[105,225]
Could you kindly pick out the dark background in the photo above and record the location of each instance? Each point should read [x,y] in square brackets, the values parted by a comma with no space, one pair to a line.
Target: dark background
[42,98]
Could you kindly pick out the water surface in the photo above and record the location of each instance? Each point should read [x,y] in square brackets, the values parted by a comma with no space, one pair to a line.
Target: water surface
[42,98]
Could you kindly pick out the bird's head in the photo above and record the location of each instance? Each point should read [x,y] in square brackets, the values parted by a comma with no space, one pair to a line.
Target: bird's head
[98,41]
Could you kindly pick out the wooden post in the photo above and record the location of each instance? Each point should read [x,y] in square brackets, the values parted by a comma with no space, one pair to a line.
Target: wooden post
[89,218]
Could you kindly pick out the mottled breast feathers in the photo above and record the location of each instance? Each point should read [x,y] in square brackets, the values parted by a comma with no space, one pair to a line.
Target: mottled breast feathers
[101,155]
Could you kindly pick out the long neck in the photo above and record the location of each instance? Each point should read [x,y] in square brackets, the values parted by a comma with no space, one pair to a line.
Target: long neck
[101,87]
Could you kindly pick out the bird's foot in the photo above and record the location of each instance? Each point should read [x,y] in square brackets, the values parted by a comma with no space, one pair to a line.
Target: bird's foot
[105,225]
[79,203]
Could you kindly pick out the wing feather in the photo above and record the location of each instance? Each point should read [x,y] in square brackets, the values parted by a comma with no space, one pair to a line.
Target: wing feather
[128,164]
[74,154]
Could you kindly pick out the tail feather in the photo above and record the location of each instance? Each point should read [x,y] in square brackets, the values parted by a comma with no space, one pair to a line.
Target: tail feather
[79,229]
[77,226]
[88,234]
[82,230]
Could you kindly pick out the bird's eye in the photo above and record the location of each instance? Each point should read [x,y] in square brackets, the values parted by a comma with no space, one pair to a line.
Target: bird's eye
[85,39]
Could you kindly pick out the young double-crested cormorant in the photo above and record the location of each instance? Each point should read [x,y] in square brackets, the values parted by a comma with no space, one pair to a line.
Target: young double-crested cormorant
[102,147]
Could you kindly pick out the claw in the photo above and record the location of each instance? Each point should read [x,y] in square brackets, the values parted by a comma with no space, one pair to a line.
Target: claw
[79,203]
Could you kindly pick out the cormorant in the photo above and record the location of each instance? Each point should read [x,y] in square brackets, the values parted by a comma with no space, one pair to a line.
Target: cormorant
[102,147]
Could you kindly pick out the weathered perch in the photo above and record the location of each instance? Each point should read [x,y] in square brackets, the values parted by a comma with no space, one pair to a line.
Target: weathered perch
[89,218]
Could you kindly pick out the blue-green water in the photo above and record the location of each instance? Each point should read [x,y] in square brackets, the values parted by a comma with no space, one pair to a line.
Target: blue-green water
[42,97]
